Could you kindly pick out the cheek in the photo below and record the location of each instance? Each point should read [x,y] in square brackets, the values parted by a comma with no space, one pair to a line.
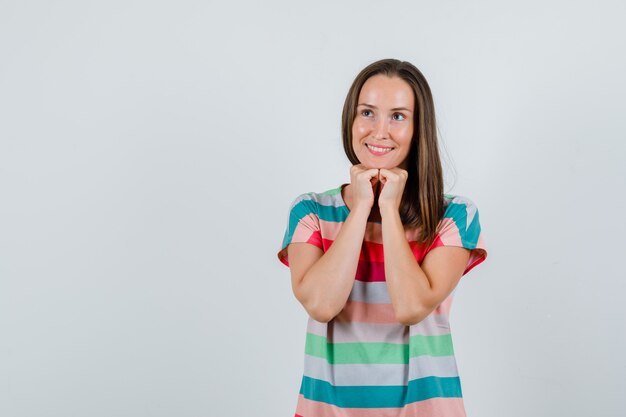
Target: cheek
[359,129]
[407,133]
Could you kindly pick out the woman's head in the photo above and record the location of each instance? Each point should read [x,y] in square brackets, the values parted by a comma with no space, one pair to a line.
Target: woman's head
[395,85]
[382,129]
[383,79]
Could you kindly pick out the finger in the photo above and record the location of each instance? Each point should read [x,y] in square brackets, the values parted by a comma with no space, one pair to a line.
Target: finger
[390,174]
[371,173]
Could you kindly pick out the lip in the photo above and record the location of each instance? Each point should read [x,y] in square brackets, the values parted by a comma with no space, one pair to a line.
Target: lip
[373,152]
[379,146]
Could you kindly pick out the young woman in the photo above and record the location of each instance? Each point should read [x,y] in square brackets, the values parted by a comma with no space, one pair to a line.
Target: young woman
[375,262]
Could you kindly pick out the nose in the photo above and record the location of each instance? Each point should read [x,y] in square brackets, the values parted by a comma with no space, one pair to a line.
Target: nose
[381,129]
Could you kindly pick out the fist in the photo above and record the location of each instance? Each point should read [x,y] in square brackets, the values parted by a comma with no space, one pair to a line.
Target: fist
[364,181]
[393,182]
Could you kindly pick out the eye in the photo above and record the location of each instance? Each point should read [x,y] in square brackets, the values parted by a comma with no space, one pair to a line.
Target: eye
[366,112]
[399,116]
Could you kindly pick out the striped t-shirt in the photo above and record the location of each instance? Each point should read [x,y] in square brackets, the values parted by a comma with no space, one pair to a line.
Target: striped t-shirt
[364,363]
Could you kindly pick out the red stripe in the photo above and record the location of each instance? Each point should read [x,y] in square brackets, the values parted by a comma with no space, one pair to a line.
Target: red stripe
[367,271]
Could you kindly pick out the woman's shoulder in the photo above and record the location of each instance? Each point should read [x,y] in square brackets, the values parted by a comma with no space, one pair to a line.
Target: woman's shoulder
[456,201]
[462,212]
[320,200]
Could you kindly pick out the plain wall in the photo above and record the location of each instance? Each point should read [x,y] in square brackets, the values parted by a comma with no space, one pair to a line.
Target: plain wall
[149,152]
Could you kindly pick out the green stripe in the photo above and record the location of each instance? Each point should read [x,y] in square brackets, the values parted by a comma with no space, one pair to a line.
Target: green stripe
[344,353]
[332,191]
[431,345]
[375,352]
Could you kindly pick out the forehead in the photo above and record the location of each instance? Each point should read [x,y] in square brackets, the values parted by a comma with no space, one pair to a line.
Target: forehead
[383,91]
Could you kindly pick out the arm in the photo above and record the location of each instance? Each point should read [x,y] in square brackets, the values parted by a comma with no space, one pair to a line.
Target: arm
[322,281]
[416,291]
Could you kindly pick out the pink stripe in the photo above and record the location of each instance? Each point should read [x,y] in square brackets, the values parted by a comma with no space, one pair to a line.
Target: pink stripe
[373,231]
[434,407]
[372,241]
[357,311]
[371,267]
[343,332]
[306,231]
[450,233]
[302,234]
[330,229]
[366,312]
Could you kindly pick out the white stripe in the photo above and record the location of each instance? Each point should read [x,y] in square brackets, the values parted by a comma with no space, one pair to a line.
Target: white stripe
[379,374]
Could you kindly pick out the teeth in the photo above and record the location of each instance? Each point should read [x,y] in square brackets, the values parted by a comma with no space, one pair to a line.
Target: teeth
[374,148]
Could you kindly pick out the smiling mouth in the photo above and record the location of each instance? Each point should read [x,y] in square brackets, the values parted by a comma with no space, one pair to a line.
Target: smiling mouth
[378,151]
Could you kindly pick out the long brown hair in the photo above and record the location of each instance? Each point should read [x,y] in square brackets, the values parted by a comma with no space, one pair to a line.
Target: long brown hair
[422,201]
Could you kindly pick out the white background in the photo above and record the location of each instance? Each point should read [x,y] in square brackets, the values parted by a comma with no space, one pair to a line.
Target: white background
[149,152]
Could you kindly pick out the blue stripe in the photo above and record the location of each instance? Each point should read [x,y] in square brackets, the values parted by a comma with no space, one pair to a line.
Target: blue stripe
[394,396]
[472,233]
[331,213]
[306,207]
[469,234]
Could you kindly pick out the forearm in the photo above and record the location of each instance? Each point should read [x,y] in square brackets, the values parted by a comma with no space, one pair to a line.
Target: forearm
[326,286]
[408,286]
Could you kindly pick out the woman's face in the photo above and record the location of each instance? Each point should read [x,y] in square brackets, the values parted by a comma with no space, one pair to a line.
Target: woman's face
[384,119]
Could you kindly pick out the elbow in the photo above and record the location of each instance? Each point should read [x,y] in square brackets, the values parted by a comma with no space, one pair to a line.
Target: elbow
[409,319]
[319,306]
[321,316]
[321,313]
[318,310]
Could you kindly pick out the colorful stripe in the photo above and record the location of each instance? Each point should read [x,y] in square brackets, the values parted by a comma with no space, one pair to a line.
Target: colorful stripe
[377,352]
[380,396]
[350,332]
[379,374]
[448,407]
[364,363]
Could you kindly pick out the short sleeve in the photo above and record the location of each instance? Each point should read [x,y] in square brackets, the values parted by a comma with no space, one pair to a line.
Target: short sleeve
[303,225]
[460,226]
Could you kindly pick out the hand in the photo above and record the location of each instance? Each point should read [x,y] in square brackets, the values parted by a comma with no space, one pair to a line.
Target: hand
[363,182]
[393,181]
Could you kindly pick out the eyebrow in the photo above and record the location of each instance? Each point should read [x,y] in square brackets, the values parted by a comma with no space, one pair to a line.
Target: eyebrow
[374,107]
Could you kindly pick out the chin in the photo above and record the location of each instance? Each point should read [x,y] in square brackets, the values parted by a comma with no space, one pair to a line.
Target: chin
[380,165]
[367,162]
